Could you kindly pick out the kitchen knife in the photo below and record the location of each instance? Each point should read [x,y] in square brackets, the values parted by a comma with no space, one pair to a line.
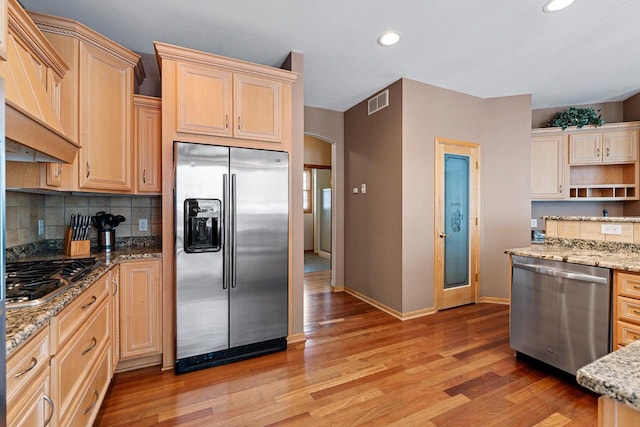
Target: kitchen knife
[73,227]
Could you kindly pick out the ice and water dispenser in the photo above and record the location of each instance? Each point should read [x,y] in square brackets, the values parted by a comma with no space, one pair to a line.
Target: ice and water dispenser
[203,225]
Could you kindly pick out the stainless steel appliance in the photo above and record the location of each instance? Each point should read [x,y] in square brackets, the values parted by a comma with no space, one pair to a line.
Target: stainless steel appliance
[560,312]
[3,228]
[231,213]
[30,283]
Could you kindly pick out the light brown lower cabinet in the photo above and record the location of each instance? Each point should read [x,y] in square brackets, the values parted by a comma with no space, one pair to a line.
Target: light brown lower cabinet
[28,384]
[140,313]
[626,308]
[81,363]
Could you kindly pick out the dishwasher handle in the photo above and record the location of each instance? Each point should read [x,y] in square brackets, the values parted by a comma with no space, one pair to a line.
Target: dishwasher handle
[561,273]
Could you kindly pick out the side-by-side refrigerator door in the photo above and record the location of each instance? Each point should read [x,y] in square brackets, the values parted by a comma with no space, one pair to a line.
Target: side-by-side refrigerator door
[260,218]
[202,314]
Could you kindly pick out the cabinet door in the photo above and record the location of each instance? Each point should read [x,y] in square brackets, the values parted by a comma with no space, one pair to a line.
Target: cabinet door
[257,108]
[620,146]
[148,144]
[585,148]
[140,318]
[106,104]
[33,407]
[204,100]
[548,167]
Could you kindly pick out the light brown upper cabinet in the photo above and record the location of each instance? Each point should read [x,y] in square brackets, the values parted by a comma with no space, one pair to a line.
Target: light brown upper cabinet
[219,102]
[226,101]
[148,144]
[604,147]
[96,106]
[548,167]
[598,164]
[3,29]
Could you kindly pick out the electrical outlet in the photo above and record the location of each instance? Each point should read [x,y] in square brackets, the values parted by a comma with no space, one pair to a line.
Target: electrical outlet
[40,227]
[143,225]
[610,229]
[534,222]
[355,190]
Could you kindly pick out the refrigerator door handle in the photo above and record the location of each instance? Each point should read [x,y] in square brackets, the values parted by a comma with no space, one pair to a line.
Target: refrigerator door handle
[225,237]
[234,231]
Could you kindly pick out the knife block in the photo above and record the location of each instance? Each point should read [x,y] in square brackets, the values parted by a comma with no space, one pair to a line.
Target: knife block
[75,247]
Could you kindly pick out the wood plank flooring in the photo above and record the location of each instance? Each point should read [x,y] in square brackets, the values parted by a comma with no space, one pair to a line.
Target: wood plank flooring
[361,366]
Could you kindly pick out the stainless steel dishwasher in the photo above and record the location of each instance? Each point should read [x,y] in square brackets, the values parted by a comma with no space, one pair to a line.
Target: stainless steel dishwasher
[560,312]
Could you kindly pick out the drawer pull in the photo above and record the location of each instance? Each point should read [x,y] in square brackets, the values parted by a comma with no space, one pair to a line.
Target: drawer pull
[635,337]
[94,342]
[90,303]
[636,287]
[34,362]
[636,312]
[50,402]
[97,396]
[115,286]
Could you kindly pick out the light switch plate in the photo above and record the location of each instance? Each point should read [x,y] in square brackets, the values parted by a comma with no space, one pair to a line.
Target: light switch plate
[534,222]
[610,229]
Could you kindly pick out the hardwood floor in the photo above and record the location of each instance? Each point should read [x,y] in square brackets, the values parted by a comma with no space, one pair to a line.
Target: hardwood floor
[361,366]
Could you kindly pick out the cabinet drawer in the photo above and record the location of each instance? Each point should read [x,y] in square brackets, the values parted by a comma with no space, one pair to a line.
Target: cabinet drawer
[71,367]
[629,310]
[76,314]
[627,333]
[628,285]
[89,404]
[27,362]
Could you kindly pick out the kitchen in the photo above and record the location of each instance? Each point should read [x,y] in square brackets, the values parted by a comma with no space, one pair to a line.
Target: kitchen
[496,123]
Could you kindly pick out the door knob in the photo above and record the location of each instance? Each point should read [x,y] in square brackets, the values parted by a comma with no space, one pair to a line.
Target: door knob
[443,235]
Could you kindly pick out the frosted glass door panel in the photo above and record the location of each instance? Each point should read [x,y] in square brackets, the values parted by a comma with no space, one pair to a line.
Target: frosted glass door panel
[456,219]
[325,220]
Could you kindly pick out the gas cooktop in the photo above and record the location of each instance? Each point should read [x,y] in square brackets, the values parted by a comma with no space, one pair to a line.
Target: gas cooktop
[32,283]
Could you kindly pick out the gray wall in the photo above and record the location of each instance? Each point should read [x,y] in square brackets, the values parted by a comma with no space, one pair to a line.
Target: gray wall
[373,221]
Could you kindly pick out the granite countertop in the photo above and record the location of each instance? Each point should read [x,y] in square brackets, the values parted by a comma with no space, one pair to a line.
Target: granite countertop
[622,260]
[593,218]
[616,375]
[23,323]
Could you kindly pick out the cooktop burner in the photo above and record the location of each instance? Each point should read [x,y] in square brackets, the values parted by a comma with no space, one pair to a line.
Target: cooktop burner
[34,282]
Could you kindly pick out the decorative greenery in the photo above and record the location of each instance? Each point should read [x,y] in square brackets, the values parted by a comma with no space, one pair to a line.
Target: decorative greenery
[576,117]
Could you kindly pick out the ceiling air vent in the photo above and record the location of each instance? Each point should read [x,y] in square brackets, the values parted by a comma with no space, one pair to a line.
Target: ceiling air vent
[378,102]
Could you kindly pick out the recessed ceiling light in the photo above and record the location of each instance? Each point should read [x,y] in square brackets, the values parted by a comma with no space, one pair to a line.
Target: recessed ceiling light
[389,38]
[556,5]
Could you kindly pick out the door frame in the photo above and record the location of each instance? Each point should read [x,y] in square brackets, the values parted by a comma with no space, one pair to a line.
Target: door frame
[451,146]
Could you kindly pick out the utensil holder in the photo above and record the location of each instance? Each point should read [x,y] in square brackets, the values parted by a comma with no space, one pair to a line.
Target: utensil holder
[75,247]
[106,240]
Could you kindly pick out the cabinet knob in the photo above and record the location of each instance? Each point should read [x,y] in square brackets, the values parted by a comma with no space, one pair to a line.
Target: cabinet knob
[608,152]
[597,152]
[560,188]
[144,176]
[226,121]
[238,122]
[88,169]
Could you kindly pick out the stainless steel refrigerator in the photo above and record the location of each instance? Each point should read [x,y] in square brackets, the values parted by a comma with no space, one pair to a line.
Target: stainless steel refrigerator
[231,260]
[3,228]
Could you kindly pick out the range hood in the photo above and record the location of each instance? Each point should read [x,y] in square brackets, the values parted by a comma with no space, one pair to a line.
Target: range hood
[33,130]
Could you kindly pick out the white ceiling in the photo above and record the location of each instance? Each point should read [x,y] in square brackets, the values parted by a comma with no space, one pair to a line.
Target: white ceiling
[587,53]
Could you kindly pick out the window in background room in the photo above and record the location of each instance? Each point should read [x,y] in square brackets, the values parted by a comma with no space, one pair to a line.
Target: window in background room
[306,191]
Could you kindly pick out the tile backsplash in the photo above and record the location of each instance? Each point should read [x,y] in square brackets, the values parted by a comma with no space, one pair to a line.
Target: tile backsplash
[25,209]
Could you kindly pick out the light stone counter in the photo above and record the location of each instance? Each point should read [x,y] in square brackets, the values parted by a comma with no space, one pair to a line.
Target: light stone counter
[594,256]
[593,218]
[616,375]
[23,323]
